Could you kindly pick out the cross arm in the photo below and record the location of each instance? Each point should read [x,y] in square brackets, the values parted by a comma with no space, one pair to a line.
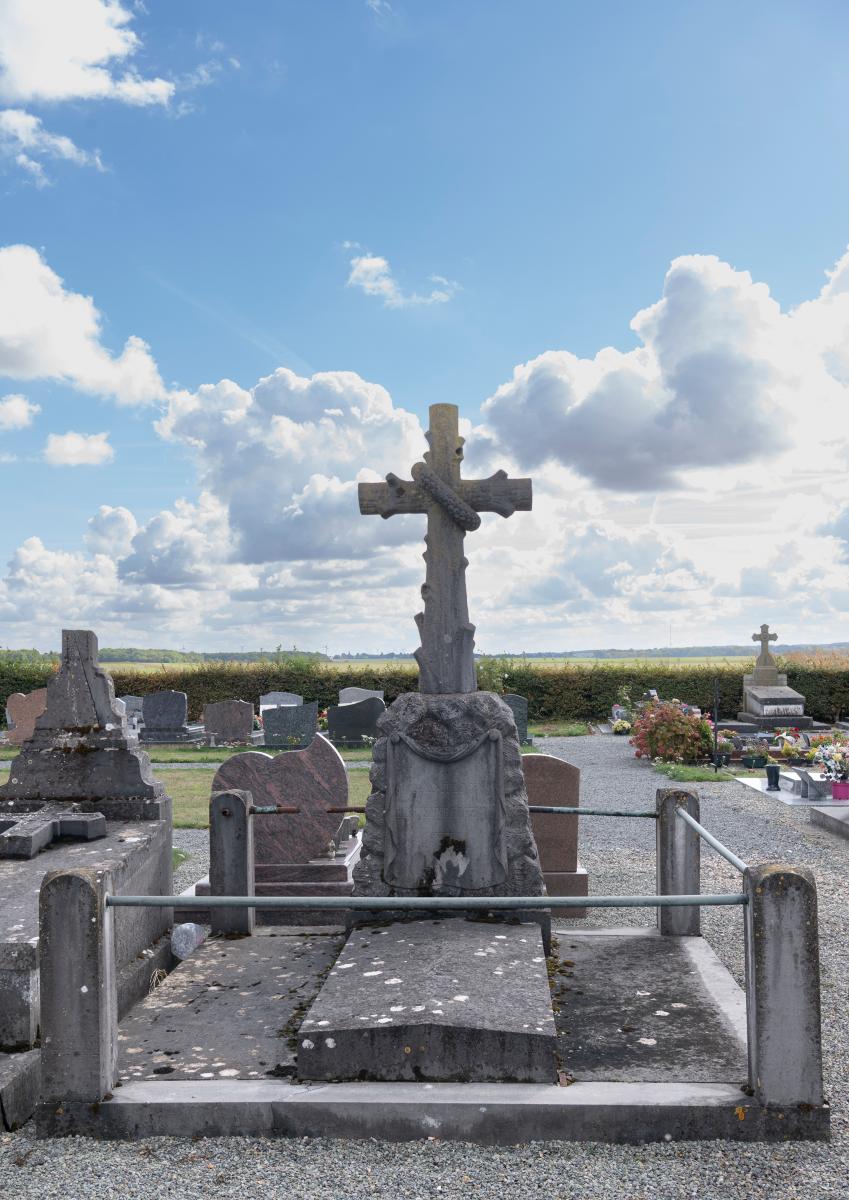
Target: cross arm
[499,494]
[394,496]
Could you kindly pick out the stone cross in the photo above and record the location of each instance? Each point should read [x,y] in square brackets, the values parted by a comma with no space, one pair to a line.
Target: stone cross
[765,659]
[445,657]
[23,834]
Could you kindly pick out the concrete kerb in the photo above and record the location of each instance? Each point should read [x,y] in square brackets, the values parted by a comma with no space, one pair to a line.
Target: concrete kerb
[678,862]
[231,859]
[783,986]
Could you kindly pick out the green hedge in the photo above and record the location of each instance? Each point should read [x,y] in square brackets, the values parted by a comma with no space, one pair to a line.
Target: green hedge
[577,693]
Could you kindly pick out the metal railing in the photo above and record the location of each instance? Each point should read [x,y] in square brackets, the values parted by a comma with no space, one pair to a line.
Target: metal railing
[703,833]
[426,903]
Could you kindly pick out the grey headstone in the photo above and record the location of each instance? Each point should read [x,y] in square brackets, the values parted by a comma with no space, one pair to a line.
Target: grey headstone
[348,724]
[165,710]
[229,720]
[290,726]
[350,695]
[518,705]
[276,699]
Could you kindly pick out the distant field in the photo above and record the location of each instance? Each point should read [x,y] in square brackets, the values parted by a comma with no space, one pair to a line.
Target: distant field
[546,663]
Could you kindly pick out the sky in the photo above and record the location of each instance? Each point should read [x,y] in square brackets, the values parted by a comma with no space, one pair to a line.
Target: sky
[244,247]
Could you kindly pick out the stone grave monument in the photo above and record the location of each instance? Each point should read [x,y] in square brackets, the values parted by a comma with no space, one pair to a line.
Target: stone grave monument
[80,794]
[348,724]
[447,816]
[134,706]
[551,782]
[290,726]
[350,695]
[276,699]
[229,721]
[165,719]
[518,705]
[22,711]
[309,853]
[767,700]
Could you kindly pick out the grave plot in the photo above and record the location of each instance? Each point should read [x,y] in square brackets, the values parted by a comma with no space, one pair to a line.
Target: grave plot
[436,1017]
[80,795]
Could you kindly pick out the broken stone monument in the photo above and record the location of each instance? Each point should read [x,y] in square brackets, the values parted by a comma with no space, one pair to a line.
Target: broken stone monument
[22,711]
[79,794]
[165,717]
[767,700]
[229,721]
[309,853]
[551,782]
[447,816]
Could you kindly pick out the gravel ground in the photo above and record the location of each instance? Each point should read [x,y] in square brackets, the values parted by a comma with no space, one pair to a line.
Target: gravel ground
[195,843]
[619,855]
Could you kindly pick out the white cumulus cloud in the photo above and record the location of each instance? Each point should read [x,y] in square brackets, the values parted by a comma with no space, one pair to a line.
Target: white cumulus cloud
[78,449]
[372,274]
[24,139]
[49,332]
[16,412]
[53,50]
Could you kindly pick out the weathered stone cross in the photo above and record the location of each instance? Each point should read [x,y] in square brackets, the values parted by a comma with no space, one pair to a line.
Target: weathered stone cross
[23,834]
[446,656]
[765,659]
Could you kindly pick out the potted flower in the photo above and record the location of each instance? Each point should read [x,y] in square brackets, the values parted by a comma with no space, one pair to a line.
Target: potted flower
[833,760]
[724,750]
[754,754]
[621,726]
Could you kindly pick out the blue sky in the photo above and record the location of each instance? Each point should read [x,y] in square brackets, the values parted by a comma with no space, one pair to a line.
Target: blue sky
[428,195]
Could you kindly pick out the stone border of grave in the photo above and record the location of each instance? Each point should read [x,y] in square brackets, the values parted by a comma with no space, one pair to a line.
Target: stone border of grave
[784,1098]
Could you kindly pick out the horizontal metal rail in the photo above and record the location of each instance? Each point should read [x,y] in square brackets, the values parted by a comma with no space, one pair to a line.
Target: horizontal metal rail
[270,810]
[433,903]
[589,812]
[727,854]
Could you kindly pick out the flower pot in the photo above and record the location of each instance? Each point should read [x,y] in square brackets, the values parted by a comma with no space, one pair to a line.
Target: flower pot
[760,760]
[840,789]
[773,777]
[748,761]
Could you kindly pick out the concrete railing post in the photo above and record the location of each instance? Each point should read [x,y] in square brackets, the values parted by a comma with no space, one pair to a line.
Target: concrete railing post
[678,862]
[79,1003]
[231,859]
[783,985]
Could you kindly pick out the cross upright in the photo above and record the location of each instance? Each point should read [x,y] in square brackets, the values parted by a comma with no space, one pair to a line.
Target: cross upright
[446,655]
[765,659]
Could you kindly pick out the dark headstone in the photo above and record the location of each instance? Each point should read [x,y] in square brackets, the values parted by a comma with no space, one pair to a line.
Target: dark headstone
[275,699]
[348,724]
[229,720]
[290,726]
[165,710]
[518,705]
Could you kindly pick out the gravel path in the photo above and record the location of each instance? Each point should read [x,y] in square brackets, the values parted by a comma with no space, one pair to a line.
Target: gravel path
[619,855]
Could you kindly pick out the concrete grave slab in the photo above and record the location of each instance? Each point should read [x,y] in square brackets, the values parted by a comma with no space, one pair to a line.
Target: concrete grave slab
[230,1011]
[437,1000]
[835,819]
[20,1079]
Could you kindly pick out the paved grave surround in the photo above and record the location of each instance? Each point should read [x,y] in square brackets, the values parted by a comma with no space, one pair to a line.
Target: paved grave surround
[350,695]
[552,782]
[440,1000]
[290,726]
[229,720]
[23,710]
[348,724]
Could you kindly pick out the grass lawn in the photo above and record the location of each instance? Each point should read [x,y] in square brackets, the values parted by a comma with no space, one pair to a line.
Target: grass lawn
[190,792]
[680,773]
[555,728]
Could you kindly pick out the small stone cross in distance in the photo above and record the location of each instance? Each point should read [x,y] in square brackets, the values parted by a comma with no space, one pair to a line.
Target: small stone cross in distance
[765,659]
